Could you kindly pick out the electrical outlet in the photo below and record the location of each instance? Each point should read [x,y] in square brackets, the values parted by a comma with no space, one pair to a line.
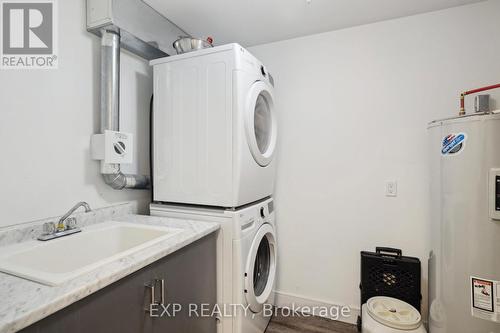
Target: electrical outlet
[391,189]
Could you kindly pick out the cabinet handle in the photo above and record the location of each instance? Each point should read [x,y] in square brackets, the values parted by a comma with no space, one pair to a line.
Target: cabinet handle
[162,291]
[152,289]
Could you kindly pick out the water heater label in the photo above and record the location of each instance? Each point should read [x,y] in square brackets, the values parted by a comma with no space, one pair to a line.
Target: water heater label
[453,144]
[485,299]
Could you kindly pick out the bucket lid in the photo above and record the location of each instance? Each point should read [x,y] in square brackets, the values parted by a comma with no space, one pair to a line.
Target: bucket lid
[394,313]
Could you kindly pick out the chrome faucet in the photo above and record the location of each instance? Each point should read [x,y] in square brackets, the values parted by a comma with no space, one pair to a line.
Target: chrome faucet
[65,226]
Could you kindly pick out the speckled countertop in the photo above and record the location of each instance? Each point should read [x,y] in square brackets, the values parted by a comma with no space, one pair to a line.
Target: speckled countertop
[23,302]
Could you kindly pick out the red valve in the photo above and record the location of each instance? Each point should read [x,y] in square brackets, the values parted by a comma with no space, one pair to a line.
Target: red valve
[210,40]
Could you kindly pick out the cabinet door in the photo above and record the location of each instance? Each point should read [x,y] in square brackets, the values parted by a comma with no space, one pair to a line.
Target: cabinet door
[119,307]
[63,321]
[190,279]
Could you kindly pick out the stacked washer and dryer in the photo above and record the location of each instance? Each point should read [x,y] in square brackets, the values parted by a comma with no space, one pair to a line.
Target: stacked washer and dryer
[214,140]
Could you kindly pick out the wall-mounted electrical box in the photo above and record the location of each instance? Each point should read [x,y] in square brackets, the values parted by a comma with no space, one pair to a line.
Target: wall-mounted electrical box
[112,147]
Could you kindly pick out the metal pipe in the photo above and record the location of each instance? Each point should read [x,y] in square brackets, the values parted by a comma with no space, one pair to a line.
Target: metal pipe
[473,91]
[110,110]
[110,81]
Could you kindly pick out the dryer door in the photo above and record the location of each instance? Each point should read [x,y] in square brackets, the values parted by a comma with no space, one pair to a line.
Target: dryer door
[260,269]
[260,123]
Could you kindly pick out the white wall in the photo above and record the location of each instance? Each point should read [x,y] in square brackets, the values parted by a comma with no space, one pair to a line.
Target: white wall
[353,108]
[47,118]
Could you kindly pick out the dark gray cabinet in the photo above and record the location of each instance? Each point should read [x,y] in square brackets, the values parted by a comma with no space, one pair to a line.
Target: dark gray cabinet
[189,277]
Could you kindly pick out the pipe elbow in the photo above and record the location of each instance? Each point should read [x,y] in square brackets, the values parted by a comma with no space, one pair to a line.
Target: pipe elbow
[116,181]
[120,181]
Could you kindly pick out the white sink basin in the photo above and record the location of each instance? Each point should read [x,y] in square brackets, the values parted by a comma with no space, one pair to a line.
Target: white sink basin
[56,261]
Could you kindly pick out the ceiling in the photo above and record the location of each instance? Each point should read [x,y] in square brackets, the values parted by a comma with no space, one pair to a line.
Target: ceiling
[253,22]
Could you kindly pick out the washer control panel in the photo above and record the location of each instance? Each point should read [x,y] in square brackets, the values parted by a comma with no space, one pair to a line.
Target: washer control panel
[271,207]
[266,210]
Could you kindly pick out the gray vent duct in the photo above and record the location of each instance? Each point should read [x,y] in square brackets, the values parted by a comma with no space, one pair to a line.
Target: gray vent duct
[110,110]
[138,28]
[143,30]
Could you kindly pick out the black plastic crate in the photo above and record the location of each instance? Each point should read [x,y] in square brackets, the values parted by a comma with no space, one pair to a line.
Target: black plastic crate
[386,272]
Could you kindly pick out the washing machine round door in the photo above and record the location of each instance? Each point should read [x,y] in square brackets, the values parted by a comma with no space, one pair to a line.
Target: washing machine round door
[261,127]
[261,268]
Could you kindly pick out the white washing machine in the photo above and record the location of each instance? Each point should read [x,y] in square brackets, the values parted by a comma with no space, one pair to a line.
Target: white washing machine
[246,261]
[214,128]
[390,315]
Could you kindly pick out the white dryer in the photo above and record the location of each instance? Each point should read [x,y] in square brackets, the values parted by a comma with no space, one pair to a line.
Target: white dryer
[214,128]
[246,261]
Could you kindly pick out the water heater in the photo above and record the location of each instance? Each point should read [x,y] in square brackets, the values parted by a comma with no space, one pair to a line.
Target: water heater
[464,263]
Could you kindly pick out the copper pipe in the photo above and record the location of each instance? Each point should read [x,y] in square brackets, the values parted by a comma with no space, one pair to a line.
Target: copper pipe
[473,91]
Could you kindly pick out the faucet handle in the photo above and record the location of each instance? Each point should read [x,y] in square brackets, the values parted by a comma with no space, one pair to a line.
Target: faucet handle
[49,228]
[70,223]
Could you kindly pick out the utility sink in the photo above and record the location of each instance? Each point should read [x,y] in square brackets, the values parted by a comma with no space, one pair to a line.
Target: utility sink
[59,260]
